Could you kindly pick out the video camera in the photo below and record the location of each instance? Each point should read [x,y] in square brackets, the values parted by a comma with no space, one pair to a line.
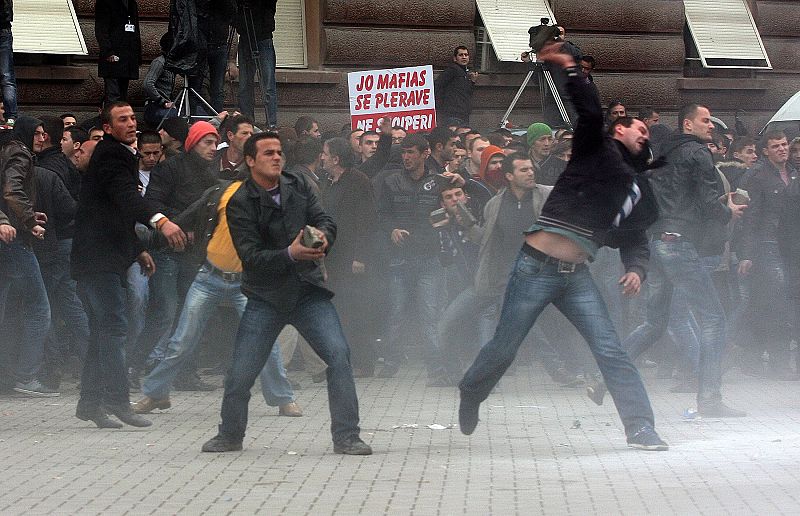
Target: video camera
[543,33]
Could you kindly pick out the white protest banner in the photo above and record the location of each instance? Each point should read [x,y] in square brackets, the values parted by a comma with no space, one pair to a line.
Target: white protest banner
[404,94]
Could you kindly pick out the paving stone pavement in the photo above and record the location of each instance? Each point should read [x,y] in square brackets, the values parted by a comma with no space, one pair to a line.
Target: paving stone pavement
[528,455]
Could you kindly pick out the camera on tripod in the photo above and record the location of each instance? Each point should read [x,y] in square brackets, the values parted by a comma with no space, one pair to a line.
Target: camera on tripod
[542,34]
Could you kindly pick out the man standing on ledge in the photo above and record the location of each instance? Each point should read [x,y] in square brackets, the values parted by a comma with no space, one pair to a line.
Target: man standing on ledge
[600,199]
[284,284]
[104,247]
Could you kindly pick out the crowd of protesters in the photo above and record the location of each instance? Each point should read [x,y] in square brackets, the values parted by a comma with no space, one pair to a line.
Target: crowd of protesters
[427,227]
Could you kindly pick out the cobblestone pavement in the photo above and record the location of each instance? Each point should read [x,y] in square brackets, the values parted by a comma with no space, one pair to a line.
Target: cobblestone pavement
[539,449]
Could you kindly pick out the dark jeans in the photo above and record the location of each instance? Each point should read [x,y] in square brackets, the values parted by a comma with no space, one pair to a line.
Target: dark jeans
[115,89]
[247,71]
[315,318]
[416,292]
[154,113]
[20,270]
[104,378]
[352,302]
[676,265]
[217,59]
[769,307]
[532,286]
[64,305]
[8,80]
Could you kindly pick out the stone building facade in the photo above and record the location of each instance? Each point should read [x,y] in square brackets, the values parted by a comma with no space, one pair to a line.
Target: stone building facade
[640,46]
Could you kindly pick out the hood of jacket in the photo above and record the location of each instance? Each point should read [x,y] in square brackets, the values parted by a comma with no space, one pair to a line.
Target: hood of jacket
[24,127]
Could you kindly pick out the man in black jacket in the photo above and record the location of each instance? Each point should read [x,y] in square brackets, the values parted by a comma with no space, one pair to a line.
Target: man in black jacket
[19,268]
[105,245]
[688,197]
[600,199]
[453,89]
[762,250]
[284,284]
[116,28]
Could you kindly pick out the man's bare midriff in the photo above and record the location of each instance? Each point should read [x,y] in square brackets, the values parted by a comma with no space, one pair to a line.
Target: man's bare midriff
[557,246]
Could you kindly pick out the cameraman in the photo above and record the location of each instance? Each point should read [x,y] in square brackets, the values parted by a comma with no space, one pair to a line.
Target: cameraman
[453,89]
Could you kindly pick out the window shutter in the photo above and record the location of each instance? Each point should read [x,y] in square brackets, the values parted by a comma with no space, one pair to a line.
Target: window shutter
[47,27]
[725,34]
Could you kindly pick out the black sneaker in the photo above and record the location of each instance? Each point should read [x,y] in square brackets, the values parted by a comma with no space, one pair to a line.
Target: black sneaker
[220,444]
[647,439]
[36,389]
[719,409]
[596,392]
[352,446]
[468,415]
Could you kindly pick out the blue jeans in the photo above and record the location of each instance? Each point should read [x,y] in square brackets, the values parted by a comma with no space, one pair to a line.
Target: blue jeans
[154,113]
[8,80]
[138,296]
[315,318]
[19,269]
[677,266]
[416,288]
[207,292]
[104,378]
[174,275]
[247,71]
[532,286]
[64,305]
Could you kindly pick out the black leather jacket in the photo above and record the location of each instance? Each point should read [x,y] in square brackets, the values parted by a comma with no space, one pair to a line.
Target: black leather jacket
[589,193]
[17,178]
[687,189]
[178,182]
[262,232]
[769,198]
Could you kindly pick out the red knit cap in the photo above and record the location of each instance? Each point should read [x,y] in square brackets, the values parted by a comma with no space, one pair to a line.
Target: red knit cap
[497,179]
[197,132]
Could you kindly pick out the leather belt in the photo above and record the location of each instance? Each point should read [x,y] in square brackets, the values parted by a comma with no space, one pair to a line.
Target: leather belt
[562,266]
[226,276]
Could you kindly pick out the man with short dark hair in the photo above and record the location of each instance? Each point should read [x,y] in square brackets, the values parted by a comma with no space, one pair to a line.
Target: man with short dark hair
[649,116]
[407,197]
[347,197]
[307,127]
[688,199]
[764,251]
[453,88]
[284,284]
[71,140]
[227,160]
[368,145]
[104,246]
[506,216]
[174,185]
[68,119]
[442,141]
[584,211]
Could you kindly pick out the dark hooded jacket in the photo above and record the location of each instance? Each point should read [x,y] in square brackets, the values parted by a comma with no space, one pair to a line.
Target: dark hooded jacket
[17,177]
[453,94]
[687,189]
[596,182]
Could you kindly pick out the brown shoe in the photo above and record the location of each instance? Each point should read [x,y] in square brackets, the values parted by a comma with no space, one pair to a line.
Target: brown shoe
[290,410]
[147,405]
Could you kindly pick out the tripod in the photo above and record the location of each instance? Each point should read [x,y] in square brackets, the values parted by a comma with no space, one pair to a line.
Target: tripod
[542,75]
[183,108]
[255,55]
